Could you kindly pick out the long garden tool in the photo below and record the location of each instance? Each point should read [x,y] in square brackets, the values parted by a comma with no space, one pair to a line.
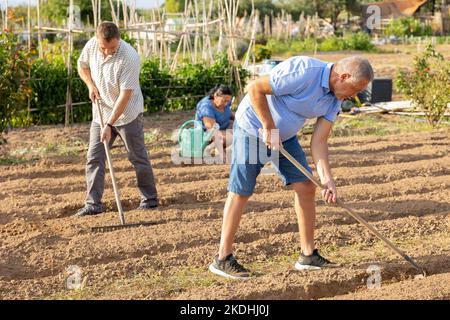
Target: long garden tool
[353,213]
[116,189]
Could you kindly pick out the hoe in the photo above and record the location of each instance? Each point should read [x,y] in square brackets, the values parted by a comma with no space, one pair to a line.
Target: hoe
[122,225]
[353,214]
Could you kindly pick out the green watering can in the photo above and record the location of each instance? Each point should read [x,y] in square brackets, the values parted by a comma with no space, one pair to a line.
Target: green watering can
[193,141]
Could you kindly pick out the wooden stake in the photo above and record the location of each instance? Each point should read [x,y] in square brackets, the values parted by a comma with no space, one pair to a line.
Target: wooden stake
[118,12]
[113,13]
[6,14]
[94,11]
[29,25]
[41,53]
[3,18]
[194,60]
[99,11]
[69,113]
[125,14]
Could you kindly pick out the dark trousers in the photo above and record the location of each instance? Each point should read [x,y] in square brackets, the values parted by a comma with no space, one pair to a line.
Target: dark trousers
[132,135]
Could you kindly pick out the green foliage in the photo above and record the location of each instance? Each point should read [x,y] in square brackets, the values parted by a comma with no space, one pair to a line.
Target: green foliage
[358,41]
[332,44]
[48,81]
[354,41]
[58,10]
[428,85]
[296,7]
[49,86]
[181,89]
[265,7]
[154,83]
[127,38]
[13,91]
[174,6]
[261,52]
[407,27]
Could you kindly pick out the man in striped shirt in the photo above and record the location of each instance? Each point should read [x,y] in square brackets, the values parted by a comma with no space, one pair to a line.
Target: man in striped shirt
[110,67]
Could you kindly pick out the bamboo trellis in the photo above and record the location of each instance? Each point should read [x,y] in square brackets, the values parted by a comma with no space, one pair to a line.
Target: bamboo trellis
[193,30]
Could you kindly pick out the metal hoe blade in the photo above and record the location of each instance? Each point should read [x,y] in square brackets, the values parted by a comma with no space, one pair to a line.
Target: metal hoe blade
[120,227]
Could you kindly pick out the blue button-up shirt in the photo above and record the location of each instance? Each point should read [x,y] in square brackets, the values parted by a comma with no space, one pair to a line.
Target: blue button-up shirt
[300,90]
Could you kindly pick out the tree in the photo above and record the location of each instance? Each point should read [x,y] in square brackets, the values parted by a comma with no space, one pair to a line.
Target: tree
[13,91]
[58,9]
[296,7]
[265,7]
[174,6]
[332,9]
[326,9]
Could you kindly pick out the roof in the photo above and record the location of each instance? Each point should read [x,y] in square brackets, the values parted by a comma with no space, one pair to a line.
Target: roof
[397,8]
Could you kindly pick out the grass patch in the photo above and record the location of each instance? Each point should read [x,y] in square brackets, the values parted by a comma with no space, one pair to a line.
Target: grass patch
[170,284]
[379,251]
[9,160]
[150,137]
[72,148]
[77,294]
[145,285]
[373,124]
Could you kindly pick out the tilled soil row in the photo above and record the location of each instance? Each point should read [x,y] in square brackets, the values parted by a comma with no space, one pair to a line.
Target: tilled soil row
[398,183]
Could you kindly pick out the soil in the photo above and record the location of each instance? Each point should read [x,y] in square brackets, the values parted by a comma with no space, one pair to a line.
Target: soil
[399,183]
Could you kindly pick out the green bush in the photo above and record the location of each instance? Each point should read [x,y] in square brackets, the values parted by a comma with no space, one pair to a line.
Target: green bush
[332,44]
[126,37]
[13,91]
[407,27]
[186,85]
[161,89]
[355,41]
[358,41]
[154,83]
[428,85]
[261,52]
[49,86]
[278,47]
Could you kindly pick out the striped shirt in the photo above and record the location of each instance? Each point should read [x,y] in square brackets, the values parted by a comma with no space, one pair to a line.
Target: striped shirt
[111,75]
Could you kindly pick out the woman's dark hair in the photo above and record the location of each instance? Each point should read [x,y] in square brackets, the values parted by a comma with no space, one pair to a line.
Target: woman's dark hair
[220,90]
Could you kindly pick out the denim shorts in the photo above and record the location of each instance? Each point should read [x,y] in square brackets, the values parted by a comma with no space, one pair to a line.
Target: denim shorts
[249,156]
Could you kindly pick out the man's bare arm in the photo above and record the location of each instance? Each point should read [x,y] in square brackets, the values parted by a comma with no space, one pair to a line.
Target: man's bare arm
[319,151]
[120,105]
[257,91]
[85,75]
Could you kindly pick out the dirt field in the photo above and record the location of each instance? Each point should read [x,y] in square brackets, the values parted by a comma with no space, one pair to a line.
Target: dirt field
[399,183]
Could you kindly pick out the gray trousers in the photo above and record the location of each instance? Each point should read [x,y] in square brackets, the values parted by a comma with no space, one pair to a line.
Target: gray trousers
[132,135]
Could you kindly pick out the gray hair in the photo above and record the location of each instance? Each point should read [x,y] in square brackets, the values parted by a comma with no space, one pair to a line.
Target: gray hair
[358,67]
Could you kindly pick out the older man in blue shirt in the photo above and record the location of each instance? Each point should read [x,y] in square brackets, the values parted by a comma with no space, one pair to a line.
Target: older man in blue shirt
[272,113]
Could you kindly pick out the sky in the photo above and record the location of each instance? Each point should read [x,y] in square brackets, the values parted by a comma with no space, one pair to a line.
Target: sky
[142,4]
